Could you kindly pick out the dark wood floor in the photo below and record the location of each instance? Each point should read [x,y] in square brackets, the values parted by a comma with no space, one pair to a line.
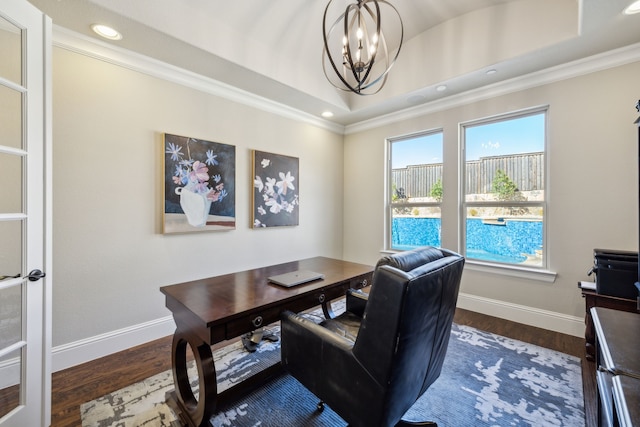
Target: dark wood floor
[88,381]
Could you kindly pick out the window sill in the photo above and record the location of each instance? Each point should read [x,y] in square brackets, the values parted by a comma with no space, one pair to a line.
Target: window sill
[513,271]
[502,269]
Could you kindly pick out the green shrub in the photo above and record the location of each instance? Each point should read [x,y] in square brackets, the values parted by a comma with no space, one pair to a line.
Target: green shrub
[436,191]
[504,186]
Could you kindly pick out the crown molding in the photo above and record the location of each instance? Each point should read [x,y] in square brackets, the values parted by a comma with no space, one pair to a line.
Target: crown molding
[592,64]
[97,49]
[84,45]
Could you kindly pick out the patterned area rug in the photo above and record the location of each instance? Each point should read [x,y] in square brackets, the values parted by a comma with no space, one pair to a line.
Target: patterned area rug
[487,380]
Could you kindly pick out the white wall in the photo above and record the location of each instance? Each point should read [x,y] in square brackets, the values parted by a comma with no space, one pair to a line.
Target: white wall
[111,258]
[110,255]
[592,192]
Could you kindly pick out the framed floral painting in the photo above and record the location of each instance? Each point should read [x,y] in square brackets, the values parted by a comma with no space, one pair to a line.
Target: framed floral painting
[275,190]
[199,185]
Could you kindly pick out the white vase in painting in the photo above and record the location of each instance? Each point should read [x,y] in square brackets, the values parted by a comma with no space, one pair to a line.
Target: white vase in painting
[195,206]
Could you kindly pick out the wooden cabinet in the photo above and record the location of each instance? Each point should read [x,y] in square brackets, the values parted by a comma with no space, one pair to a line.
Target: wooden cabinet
[618,366]
[593,299]
[626,401]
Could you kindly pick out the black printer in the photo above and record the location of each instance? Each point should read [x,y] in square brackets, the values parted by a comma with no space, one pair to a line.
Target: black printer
[616,272]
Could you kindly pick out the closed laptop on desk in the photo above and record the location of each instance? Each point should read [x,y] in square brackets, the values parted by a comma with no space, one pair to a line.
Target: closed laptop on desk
[294,278]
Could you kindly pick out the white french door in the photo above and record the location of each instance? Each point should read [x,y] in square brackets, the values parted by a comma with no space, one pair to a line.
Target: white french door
[25,220]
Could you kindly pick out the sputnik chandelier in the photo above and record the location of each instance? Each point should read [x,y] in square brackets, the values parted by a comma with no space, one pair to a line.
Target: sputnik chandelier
[356,47]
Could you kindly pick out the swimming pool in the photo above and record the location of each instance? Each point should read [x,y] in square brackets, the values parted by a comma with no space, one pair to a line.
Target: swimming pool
[495,241]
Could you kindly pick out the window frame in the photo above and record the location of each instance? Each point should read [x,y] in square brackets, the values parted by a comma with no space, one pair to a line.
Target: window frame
[389,204]
[487,265]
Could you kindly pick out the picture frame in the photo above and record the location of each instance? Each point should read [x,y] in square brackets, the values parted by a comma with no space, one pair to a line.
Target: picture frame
[275,201]
[199,185]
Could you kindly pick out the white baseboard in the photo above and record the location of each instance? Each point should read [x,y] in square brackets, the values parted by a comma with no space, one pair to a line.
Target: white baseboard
[75,353]
[544,319]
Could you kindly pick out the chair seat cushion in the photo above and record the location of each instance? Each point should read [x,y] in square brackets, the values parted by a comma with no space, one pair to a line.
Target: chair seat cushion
[346,325]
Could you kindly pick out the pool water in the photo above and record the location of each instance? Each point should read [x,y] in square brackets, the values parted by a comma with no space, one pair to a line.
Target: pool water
[488,256]
[507,242]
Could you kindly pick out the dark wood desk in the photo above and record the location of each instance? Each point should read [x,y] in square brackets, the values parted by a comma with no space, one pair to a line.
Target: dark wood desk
[215,309]
[618,354]
[593,299]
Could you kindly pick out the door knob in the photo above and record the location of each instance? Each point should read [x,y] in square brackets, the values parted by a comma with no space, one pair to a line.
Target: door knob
[35,275]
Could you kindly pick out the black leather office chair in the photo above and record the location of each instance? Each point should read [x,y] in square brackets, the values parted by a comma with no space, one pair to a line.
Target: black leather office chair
[371,363]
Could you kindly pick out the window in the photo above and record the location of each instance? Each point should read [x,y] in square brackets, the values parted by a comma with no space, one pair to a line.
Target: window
[415,191]
[503,206]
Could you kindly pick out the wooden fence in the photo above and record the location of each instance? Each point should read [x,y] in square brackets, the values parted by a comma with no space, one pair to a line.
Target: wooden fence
[525,170]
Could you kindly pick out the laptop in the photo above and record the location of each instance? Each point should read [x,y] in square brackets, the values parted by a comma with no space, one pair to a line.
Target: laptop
[295,278]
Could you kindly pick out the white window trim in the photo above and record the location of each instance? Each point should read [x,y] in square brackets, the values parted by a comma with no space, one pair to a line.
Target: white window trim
[515,270]
[388,238]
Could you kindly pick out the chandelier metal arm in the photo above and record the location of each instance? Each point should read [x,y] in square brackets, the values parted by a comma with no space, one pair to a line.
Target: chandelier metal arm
[326,48]
[367,51]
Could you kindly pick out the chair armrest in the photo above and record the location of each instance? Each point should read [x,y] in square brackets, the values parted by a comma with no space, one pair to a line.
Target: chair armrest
[356,302]
[300,331]
[305,347]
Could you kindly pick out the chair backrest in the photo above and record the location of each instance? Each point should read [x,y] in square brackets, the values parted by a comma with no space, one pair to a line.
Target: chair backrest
[406,326]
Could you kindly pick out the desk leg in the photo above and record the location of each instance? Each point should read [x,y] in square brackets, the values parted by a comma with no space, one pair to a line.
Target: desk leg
[195,412]
[327,310]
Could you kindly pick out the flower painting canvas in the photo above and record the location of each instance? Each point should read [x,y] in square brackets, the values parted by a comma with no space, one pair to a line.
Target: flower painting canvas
[275,190]
[199,185]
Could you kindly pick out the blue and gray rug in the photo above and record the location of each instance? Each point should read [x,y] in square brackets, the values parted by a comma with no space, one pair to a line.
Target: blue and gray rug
[487,380]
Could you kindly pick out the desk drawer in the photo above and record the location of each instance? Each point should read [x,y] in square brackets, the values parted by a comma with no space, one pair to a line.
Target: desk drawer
[361,281]
[267,315]
[252,321]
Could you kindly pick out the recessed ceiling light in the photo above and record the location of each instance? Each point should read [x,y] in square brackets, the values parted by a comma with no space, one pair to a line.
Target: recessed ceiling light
[106,32]
[441,88]
[633,8]
[327,114]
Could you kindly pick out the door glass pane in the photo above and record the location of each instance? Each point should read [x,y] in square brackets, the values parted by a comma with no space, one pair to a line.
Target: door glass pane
[11,188]
[10,117]
[11,249]
[11,307]
[10,381]
[10,316]
[10,52]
